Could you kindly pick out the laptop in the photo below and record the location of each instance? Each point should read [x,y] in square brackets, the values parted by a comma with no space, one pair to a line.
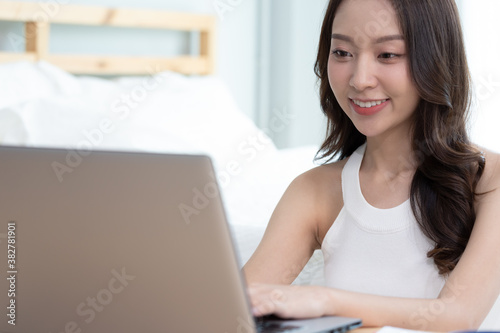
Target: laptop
[121,242]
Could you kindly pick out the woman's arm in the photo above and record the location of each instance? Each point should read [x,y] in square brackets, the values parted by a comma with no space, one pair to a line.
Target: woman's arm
[465,300]
[314,301]
[292,234]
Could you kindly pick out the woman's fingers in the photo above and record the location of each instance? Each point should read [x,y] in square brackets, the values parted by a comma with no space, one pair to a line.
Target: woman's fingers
[287,301]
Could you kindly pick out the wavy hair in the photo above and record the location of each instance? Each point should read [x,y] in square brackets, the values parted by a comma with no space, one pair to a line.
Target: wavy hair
[443,189]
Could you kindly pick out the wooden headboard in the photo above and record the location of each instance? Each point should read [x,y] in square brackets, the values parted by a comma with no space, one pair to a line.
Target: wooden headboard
[37,33]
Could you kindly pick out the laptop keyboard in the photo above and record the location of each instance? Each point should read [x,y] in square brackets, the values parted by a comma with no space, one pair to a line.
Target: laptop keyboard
[266,326]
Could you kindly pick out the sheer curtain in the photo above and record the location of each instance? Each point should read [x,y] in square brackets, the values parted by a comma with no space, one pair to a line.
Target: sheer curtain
[482,36]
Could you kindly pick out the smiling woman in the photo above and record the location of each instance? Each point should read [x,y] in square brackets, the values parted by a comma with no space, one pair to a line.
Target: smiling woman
[405,217]
[371,58]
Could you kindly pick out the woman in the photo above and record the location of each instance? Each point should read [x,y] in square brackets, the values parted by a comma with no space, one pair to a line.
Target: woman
[407,217]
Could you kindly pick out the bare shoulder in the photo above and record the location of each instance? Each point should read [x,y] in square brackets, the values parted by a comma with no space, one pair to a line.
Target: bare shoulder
[323,173]
[490,180]
[488,189]
[323,186]
[325,179]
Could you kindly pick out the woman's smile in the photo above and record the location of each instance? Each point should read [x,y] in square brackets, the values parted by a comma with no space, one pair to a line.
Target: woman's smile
[369,107]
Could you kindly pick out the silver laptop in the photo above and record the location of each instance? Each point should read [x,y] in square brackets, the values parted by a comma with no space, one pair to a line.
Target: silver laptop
[121,242]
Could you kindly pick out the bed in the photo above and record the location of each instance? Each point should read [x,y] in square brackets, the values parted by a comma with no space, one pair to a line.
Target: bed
[153,104]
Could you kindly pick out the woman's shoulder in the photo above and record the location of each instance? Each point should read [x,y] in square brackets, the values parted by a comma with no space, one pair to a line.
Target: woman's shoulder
[326,175]
[318,187]
[490,180]
[322,188]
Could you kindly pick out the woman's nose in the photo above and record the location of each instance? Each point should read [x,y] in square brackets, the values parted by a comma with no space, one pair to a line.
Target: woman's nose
[363,76]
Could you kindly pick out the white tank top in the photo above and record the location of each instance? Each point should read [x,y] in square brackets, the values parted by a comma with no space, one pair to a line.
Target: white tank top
[377,251]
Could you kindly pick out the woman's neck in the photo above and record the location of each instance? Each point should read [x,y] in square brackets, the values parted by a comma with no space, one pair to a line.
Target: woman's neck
[390,155]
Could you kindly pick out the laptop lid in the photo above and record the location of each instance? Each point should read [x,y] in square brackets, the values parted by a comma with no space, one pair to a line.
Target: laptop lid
[115,242]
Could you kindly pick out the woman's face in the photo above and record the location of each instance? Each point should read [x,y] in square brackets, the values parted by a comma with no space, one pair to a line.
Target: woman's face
[368,68]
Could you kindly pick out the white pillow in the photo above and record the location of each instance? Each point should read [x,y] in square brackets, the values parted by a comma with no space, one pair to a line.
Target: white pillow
[166,112]
[23,81]
[72,123]
[198,110]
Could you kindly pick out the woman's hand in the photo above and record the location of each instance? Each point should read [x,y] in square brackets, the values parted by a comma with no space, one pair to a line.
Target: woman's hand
[286,301]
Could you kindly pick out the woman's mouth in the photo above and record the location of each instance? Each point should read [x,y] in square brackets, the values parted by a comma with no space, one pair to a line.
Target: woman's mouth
[368,108]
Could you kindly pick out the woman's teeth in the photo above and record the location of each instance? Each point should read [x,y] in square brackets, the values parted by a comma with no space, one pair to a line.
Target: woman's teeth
[368,104]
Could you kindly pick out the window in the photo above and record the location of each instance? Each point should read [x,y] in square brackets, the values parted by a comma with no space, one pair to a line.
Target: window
[482,30]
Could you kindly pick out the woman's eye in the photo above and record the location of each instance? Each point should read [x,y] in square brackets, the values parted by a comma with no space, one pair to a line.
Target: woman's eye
[388,56]
[341,54]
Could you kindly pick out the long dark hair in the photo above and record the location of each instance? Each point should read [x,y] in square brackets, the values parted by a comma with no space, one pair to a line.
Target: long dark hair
[442,192]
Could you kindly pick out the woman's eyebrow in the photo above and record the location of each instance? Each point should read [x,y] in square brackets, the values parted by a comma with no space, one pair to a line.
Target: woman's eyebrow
[377,41]
[389,38]
[342,37]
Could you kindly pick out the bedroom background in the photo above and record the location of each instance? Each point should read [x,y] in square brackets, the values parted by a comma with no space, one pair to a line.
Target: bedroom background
[264,70]
[42,105]
[266,52]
